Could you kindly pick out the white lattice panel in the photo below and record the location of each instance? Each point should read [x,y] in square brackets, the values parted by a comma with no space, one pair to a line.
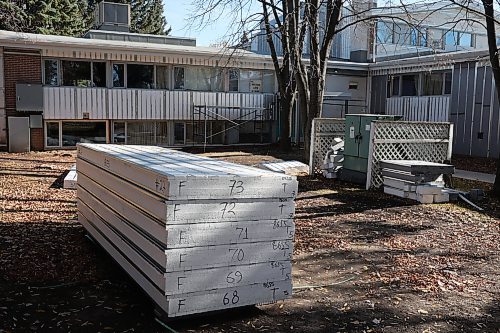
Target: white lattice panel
[397,140]
[324,131]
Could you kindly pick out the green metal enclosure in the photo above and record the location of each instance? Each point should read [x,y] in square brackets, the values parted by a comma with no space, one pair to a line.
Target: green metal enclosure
[357,140]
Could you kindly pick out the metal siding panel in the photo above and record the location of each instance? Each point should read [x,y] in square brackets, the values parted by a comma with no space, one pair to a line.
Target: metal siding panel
[476,144]
[495,146]
[461,143]
[469,116]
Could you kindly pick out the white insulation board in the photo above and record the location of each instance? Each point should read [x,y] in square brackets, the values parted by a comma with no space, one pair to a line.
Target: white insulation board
[176,175]
[217,235]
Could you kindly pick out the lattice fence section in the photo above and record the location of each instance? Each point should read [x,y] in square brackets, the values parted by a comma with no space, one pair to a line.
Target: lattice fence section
[324,131]
[396,140]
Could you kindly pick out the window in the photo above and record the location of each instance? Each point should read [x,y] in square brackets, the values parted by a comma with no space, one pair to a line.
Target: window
[465,39]
[140,76]
[140,133]
[234,76]
[147,133]
[384,32]
[455,38]
[179,133]
[161,77]
[161,133]
[450,38]
[216,79]
[74,132]
[118,75]
[268,81]
[51,70]
[118,132]
[393,86]
[250,81]
[409,85]
[99,74]
[353,85]
[432,84]
[447,83]
[76,73]
[198,78]
[52,139]
[178,77]
[498,41]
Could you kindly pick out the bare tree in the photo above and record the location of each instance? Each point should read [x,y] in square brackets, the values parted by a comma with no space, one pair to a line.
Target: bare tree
[491,22]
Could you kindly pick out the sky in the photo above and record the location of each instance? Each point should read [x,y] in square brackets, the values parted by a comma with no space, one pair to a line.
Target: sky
[177,12]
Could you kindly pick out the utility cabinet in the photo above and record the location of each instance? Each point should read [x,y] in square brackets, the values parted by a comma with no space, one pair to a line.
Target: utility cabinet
[357,144]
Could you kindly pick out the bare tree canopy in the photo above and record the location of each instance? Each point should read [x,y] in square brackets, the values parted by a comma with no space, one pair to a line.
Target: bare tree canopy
[300,35]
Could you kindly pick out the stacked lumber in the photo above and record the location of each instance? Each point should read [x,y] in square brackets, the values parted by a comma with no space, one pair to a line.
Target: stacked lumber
[71,179]
[334,158]
[196,234]
[417,180]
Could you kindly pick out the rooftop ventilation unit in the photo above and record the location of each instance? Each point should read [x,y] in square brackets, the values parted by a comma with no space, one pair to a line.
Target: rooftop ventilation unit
[112,16]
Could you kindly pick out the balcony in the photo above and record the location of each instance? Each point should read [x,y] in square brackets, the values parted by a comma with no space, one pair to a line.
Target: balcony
[420,108]
[146,104]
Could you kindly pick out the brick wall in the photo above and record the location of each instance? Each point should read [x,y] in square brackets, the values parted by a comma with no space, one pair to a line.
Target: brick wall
[36,139]
[22,67]
[19,68]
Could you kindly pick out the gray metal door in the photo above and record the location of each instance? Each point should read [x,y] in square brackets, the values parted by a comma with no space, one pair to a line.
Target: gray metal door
[19,134]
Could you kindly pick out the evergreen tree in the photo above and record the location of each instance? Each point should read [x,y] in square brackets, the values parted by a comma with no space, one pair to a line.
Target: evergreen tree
[12,16]
[56,17]
[153,21]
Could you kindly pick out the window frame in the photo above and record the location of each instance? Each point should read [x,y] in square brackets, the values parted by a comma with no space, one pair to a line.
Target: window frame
[58,122]
[140,64]
[237,70]
[124,75]
[58,72]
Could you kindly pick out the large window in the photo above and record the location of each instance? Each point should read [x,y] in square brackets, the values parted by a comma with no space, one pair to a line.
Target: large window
[52,131]
[198,78]
[140,76]
[51,70]
[141,132]
[162,77]
[74,132]
[456,38]
[384,32]
[432,84]
[409,85]
[83,73]
[99,74]
[76,73]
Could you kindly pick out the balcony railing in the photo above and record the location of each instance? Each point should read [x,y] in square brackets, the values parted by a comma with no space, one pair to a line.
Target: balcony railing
[105,103]
[419,108]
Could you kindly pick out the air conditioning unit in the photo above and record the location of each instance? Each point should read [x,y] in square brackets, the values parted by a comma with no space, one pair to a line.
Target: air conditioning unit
[112,16]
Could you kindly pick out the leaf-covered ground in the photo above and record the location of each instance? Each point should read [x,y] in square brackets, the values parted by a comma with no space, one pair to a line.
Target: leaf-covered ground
[364,262]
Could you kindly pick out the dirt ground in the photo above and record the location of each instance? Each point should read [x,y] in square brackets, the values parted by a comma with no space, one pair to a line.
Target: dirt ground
[364,262]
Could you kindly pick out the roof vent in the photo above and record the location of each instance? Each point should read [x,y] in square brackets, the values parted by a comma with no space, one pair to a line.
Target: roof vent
[112,16]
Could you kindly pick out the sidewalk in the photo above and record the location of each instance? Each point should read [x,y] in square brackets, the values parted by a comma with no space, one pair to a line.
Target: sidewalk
[471,175]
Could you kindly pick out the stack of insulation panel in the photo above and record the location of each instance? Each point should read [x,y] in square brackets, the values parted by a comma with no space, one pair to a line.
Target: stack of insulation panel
[197,234]
[417,180]
[334,159]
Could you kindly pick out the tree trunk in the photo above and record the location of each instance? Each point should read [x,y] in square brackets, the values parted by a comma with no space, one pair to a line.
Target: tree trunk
[286,105]
[495,67]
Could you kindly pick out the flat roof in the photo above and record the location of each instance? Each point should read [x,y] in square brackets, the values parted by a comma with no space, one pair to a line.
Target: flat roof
[41,42]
